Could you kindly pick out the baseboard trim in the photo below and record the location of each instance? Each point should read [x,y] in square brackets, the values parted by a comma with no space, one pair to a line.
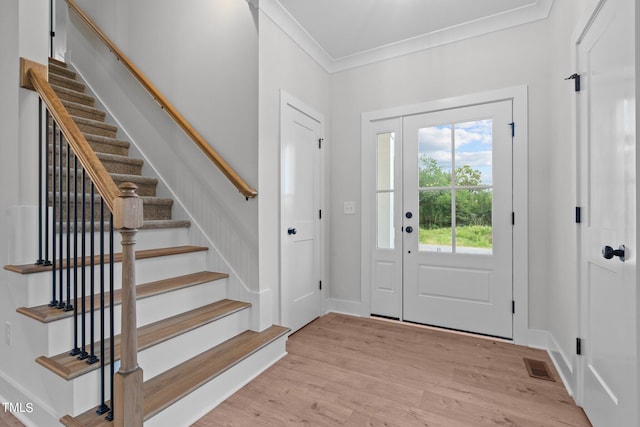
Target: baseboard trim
[563,364]
[351,308]
[42,415]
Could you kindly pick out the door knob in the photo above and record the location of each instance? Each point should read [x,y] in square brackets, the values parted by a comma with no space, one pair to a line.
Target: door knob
[608,252]
[408,229]
[291,231]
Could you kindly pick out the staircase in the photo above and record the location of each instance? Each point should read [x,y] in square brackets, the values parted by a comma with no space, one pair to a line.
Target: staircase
[194,344]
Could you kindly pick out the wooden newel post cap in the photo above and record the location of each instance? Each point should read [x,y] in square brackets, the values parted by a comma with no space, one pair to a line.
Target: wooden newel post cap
[127,212]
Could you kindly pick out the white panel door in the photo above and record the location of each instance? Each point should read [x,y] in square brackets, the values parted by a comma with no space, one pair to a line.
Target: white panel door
[458,218]
[300,222]
[606,111]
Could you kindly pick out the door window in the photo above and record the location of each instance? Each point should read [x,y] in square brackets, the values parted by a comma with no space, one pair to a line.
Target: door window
[456,187]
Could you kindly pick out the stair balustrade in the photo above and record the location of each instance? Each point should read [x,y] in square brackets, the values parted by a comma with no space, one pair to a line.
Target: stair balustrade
[72,181]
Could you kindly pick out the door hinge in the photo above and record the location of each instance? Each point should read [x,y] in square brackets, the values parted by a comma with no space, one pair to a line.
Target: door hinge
[320,142]
[579,346]
[52,33]
[320,214]
[578,214]
[320,284]
[513,218]
[513,307]
[513,129]
[576,78]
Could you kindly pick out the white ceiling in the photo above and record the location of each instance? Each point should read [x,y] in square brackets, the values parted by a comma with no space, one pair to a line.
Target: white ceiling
[342,34]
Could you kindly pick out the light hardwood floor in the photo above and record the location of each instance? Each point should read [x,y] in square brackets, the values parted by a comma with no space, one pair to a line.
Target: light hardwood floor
[344,370]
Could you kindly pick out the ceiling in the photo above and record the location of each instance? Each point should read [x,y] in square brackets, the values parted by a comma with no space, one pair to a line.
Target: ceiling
[343,34]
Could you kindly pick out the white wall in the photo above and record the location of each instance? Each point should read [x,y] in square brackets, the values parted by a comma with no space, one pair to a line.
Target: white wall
[283,65]
[537,55]
[204,59]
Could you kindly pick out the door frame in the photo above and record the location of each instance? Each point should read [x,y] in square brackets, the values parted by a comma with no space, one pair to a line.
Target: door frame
[287,100]
[519,96]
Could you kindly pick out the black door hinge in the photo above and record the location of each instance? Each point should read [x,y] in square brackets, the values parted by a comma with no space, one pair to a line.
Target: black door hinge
[513,129]
[513,307]
[320,284]
[320,214]
[320,142]
[579,346]
[513,218]
[578,214]
[576,78]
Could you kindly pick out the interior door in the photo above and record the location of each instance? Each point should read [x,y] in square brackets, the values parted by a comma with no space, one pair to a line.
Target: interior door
[606,111]
[300,217]
[457,218]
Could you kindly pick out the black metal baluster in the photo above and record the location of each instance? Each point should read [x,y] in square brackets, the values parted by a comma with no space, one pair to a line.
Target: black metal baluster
[68,306]
[109,417]
[46,192]
[103,408]
[54,301]
[61,304]
[92,358]
[83,241]
[76,349]
[41,205]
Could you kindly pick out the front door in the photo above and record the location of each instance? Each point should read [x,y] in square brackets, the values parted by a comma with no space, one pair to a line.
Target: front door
[442,239]
[301,132]
[606,113]
[457,219]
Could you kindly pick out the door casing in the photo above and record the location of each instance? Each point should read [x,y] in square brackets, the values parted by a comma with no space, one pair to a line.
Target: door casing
[518,94]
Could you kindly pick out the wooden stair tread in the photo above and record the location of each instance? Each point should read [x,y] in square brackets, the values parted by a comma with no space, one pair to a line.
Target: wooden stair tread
[172,385]
[69,367]
[47,314]
[142,254]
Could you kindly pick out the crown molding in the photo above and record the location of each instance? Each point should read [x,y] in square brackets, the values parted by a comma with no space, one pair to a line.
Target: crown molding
[512,18]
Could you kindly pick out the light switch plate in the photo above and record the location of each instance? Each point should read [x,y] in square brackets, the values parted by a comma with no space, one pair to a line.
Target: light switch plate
[349,208]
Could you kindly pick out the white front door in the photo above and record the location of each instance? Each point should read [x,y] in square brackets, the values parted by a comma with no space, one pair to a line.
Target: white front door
[300,214]
[441,240]
[607,145]
[457,218]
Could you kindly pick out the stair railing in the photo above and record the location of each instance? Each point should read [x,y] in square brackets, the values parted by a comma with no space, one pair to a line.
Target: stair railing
[200,142]
[70,166]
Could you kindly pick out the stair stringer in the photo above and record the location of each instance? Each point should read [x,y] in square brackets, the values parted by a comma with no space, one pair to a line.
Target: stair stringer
[209,218]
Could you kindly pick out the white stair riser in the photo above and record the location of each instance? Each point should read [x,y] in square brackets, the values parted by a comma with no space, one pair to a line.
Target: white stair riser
[145,239]
[163,356]
[38,286]
[192,407]
[148,310]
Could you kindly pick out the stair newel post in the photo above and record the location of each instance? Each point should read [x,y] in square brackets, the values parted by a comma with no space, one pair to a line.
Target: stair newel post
[129,399]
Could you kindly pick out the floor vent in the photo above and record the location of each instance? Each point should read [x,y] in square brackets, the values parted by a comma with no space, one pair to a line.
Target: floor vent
[538,369]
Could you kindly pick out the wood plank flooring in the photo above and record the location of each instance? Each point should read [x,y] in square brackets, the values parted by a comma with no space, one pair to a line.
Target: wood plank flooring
[343,370]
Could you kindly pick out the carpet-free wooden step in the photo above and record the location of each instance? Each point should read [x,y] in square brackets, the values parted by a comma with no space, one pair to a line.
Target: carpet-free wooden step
[164,389]
[69,367]
[47,314]
[143,254]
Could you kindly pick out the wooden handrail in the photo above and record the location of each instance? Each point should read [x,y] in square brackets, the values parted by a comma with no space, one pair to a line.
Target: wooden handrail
[212,154]
[103,182]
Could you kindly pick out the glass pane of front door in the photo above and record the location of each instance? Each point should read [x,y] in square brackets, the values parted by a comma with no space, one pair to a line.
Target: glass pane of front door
[455,187]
